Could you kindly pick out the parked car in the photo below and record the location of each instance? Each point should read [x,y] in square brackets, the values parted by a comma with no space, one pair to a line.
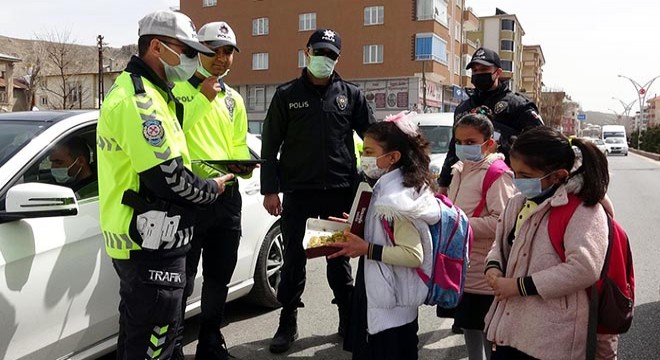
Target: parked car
[437,128]
[58,289]
[616,145]
[600,144]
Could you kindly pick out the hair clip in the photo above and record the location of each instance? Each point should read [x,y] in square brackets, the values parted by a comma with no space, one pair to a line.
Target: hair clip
[403,122]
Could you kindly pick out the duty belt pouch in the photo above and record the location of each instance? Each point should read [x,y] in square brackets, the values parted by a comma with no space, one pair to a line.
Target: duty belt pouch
[157,222]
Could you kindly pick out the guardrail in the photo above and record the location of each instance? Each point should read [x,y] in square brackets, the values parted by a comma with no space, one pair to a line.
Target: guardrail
[647,154]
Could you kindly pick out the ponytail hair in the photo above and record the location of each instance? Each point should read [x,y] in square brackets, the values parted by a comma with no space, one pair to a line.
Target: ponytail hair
[548,150]
[395,135]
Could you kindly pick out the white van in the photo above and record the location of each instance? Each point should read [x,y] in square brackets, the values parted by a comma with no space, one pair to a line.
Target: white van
[437,128]
[615,139]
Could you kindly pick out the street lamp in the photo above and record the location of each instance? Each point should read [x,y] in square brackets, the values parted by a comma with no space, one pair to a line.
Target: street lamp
[617,116]
[626,107]
[642,91]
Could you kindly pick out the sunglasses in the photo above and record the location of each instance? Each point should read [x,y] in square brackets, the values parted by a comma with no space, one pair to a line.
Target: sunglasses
[185,50]
[325,52]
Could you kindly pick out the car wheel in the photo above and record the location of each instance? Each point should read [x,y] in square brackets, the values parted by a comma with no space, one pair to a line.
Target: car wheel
[267,275]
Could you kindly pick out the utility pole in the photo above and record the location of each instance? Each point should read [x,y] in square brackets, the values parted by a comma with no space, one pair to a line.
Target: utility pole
[99,46]
[423,86]
[642,91]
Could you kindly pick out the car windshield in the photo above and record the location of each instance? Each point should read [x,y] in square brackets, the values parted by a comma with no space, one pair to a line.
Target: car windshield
[438,136]
[14,135]
[614,140]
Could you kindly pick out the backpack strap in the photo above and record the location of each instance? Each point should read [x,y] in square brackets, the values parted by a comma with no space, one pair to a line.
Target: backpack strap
[558,221]
[495,170]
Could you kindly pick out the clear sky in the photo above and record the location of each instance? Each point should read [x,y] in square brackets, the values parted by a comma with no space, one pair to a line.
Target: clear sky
[586,43]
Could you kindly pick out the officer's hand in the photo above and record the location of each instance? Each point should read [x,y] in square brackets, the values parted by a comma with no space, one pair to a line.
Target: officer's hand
[443,190]
[272,204]
[210,87]
[241,169]
[222,180]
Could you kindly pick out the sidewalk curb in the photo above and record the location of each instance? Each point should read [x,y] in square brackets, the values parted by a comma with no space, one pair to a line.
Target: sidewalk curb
[647,154]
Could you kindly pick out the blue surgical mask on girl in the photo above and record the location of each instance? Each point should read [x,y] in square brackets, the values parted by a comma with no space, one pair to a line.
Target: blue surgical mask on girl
[531,188]
[470,152]
[370,167]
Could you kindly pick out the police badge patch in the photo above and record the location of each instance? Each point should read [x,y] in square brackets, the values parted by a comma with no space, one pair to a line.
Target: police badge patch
[231,104]
[500,106]
[342,102]
[153,132]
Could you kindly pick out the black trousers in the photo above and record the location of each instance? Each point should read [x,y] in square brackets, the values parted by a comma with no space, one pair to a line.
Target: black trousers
[298,206]
[399,343]
[216,240]
[151,293]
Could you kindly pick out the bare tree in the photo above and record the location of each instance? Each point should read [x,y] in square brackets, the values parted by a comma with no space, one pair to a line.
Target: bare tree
[61,58]
[553,108]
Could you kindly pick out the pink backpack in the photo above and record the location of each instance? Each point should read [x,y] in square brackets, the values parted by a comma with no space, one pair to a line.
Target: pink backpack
[495,170]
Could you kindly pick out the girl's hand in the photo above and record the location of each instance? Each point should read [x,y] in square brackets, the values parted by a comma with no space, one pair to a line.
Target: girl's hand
[505,288]
[354,247]
[491,275]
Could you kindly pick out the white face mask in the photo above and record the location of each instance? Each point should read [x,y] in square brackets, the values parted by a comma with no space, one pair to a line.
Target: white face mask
[181,72]
[61,175]
[321,66]
[369,165]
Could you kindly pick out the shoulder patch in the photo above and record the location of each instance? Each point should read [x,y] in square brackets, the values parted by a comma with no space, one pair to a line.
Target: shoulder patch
[153,132]
[500,106]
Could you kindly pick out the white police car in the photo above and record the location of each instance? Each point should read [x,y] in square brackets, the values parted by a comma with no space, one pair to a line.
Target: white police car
[58,289]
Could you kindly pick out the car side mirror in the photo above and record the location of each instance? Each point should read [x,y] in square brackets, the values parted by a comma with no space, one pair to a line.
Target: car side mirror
[34,200]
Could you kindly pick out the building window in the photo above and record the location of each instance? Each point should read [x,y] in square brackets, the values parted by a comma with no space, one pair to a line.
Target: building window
[209,3]
[44,101]
[507,45]
[260,26]
[507,65]
[257,98]
[457,64]
[508,25]
[260,61]
[307,22]
[466,60]
[374,15]
[74,93]
[457,31]
[372,54]
[432,9]
[302,60]
[430,47]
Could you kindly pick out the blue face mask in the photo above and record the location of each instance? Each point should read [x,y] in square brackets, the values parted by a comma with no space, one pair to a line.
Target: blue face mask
[531,188]
[470,152]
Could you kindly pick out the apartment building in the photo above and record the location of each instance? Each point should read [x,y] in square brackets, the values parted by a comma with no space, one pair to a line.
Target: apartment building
[404,54]
[532,72]
[651,112]
[7,97]
[503,33]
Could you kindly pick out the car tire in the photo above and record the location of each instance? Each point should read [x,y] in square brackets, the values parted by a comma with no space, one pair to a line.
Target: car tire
[267,274]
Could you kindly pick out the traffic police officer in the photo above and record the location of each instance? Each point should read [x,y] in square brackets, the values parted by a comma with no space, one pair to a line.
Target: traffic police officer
[311,120]
[512,112]
[147,193]
[215,126]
